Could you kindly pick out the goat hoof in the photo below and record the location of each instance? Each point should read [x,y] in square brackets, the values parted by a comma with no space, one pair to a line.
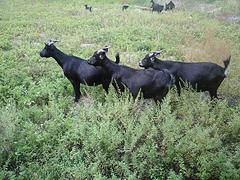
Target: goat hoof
[76,100]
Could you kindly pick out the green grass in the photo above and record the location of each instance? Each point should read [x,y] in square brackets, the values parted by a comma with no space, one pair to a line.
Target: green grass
[44,135]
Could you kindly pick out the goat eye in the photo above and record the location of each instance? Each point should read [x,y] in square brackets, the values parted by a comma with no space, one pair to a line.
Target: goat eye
[101,57]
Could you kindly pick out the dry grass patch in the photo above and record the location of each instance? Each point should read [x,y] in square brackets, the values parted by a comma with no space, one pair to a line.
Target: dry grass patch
[211,48]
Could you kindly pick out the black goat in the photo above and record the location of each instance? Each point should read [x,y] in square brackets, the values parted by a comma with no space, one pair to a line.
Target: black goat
[151,83]
[156,7]
[77,70]
[125,7]
[202,76]
[87,7]
[169,6]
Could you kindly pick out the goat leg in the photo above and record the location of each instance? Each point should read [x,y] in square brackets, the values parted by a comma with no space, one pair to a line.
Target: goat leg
[76,87]
[213,94]
[105,86]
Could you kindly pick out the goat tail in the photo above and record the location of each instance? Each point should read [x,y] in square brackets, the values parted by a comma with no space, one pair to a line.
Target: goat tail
[227,62]
[117,57]
[226,65]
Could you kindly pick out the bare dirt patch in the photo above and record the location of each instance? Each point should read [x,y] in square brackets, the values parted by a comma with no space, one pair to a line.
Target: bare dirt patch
[211,9]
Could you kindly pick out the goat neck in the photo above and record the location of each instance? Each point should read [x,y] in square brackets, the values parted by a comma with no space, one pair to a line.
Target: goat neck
[163,64]
[110,66]
[60,57]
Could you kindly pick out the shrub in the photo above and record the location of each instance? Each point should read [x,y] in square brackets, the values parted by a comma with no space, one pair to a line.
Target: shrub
[44,135]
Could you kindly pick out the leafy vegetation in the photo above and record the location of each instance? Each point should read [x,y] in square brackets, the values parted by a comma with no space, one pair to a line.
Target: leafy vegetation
[44,135]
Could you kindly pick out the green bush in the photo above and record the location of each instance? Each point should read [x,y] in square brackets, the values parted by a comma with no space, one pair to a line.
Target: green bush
[123,138]
[44,135]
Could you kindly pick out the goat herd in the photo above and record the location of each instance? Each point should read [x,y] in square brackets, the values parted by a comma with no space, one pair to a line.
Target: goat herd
[155,6]
[154,81]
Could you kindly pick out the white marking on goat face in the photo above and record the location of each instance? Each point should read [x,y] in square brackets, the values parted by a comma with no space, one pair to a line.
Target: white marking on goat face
[100,51]
[49,43]
[151,56]
[157,53]
[101,57]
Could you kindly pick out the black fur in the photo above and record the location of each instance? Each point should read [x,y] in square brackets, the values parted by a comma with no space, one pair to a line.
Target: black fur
[169,6]
[152,83]
[202,76]
[77,70]
[156,7]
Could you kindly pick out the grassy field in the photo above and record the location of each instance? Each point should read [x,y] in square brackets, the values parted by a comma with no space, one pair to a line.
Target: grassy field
[45,135]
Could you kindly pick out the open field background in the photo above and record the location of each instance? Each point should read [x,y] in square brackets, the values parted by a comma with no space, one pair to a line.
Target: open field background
[44,135]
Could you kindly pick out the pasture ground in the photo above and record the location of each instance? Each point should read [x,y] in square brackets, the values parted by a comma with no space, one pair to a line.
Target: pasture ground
[44,135]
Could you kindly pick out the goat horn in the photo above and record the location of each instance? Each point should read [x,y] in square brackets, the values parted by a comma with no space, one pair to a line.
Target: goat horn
[105,49]
[158,52]
[50,42]
[101,50]
[54,41]
[150,54]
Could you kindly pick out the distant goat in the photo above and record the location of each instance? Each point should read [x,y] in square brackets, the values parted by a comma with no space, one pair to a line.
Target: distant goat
[151,83]
[202,76]
[87,7]
[76,69]
[156,7]
[169,6]
[125,6]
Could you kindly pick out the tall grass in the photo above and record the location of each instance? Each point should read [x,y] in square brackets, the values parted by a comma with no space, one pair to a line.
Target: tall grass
[44,135]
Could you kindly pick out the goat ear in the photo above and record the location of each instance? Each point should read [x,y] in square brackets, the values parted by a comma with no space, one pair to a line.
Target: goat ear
[106,48]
